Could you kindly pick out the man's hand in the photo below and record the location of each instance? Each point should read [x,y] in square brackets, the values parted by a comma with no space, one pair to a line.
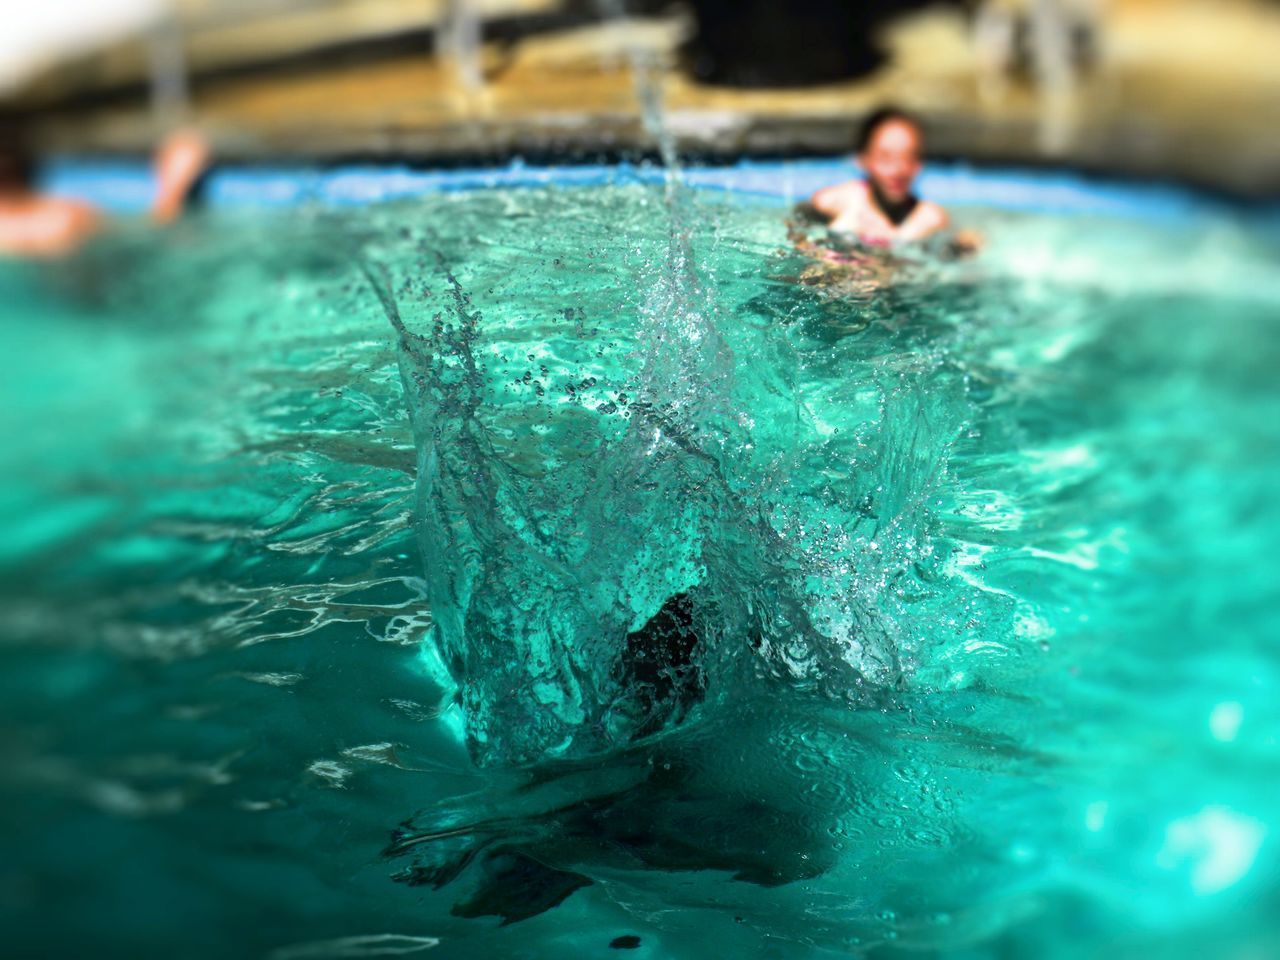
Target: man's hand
[966,243]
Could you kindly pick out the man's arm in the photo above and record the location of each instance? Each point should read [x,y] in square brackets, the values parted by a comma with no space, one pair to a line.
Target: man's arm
[934,222]
[179,161]
[926,220]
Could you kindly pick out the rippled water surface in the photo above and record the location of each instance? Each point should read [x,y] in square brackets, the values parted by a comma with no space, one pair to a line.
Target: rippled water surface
[567,572]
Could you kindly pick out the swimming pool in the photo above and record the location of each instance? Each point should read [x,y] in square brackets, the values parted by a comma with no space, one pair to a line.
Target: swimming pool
[336,531]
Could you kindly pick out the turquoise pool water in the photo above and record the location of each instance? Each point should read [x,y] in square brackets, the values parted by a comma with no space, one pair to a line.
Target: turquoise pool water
[582,558]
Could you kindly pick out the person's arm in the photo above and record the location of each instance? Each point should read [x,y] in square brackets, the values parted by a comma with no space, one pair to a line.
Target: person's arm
[925,221]
[823,207]
[179,161]
[803,216]
[934,227]
[830,202]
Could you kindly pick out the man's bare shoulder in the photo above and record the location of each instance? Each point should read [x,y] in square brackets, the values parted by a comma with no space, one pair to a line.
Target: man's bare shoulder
[840,197]
[45,226]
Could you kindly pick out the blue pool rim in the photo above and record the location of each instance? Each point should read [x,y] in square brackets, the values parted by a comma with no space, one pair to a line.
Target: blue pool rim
[124,186]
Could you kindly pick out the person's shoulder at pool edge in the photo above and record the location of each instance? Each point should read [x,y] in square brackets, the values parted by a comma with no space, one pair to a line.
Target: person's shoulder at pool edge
[36,224]
[881,208]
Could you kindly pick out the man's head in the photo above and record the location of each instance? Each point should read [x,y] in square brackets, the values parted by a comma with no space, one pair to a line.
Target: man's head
[890,144]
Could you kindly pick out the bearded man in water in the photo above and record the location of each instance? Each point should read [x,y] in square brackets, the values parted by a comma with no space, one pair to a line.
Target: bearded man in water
[880,209]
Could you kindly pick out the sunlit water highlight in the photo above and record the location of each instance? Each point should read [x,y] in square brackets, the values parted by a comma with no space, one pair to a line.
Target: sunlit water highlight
[978,560]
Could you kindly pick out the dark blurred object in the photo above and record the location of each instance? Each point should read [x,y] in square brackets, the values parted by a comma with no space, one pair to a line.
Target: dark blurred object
[659,664]
[17,163]
[771,43]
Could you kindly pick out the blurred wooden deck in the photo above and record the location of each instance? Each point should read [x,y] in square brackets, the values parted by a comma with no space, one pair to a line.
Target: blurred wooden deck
[1181,88]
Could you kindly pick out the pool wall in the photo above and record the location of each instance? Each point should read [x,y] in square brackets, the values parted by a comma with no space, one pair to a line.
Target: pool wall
[124,186]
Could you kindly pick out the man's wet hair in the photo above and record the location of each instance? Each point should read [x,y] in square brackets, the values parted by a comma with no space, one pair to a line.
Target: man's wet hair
[877,119]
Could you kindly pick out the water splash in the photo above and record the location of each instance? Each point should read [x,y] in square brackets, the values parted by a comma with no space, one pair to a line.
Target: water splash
[611,538]
[601,560]
[647,75]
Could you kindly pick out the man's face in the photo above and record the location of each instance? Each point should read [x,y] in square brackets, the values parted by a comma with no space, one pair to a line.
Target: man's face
[892,158]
